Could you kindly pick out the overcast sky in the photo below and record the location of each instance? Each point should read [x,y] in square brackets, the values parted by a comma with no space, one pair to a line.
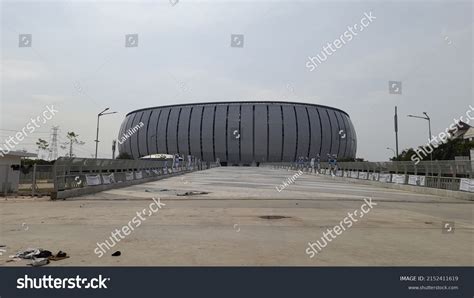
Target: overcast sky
[78,62]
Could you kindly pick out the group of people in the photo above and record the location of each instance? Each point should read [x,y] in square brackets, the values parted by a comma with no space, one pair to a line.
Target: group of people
[315,163]
[179,160]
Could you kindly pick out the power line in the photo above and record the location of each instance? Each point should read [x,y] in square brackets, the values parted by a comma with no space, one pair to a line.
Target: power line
[13,130]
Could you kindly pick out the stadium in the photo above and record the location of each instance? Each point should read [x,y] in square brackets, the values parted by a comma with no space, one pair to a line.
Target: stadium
[239,132]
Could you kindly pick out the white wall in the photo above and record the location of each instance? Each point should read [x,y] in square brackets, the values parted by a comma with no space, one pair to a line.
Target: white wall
[13,176]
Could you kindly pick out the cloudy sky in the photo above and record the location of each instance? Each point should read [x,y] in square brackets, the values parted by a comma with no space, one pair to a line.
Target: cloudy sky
[78,62]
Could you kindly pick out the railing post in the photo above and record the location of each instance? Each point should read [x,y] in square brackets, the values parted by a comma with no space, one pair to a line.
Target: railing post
[5,185]
[471,169]
[33,181]
[54,195]
[405,174]
[439,175]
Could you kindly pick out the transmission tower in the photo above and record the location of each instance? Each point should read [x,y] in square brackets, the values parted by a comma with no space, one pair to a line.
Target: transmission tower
[53,152]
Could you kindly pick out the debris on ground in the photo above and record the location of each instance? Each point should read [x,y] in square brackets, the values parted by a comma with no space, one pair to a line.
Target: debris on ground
[39,262]
[44,254]
[164,189]
[39,256]
[117,253]
[192,193]
[146,190]
[31,253]
[13,260]
[61,255]
[273,217]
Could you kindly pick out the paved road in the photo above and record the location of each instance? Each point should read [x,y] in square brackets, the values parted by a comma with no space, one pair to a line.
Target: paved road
[238,223]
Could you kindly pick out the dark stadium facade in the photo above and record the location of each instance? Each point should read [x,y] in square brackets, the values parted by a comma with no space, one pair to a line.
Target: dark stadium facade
[239,132]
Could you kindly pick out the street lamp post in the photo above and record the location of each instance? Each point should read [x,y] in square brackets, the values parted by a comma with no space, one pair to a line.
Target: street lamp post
[426,117]
[97,135]
[114,145]
[429,127]
[394,153]
[395,118]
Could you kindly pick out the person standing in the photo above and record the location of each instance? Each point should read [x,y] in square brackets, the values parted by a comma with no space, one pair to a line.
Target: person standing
[335,163]
[176,162]
[318,163]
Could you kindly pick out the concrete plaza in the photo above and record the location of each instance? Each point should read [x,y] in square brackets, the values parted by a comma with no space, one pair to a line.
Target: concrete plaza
[237,223]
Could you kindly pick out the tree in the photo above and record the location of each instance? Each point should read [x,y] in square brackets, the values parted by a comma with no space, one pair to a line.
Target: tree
[445,151]
[351,159]
[452,148]
[124,155]
[73,140]
[405,155]
[42,146]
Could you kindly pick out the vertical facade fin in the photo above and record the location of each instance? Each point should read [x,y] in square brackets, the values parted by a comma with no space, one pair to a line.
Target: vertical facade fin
[346,135]
[189,130]
[240,132]
[146,134]
[330,132]
[227,134]
[321,132]
[339,137]
[282,132]
[177,131]
[310,134]
[214,133]
[138,139]
[156,132]
[166,130]
[268,136]
[253,132]
[130,139]
[200,132]
[296,142]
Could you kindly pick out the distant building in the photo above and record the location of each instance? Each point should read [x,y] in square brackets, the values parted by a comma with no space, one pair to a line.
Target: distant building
[464,131]
[10,170]
[469,134]
[244,132]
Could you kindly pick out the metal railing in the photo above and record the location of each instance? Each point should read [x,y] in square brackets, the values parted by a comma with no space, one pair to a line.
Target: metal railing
[70,173]
[435,174]
[445,168]
[36,180]
[452,168]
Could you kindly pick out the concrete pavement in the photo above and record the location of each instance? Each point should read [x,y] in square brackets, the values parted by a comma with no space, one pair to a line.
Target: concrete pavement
[233,225]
